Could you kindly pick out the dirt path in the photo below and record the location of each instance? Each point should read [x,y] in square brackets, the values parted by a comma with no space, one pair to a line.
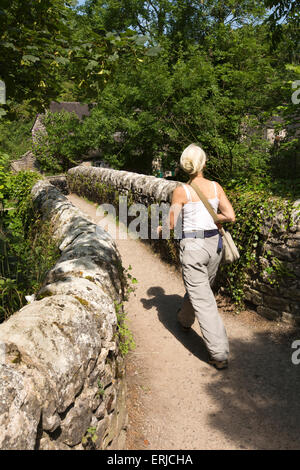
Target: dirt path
[176,400]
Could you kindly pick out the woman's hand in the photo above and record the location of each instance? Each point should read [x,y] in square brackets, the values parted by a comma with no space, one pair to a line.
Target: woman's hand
[159,230]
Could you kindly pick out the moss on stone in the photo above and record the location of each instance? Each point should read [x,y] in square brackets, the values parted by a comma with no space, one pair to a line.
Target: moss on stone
[44,295]
[82,301]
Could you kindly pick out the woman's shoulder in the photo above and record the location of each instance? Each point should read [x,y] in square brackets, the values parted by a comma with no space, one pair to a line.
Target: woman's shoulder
[217,187]
[179,192]
[180,188]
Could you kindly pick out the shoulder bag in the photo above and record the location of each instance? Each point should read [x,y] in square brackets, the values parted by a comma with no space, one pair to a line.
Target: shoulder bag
[230,251]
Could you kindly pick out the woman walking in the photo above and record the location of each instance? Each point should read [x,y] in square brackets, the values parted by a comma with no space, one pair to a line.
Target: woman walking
[201,252]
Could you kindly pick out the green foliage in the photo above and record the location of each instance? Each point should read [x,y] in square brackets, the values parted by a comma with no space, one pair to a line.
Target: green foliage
[276,271]
[26,249]
[4,164]
[284,22]
[94,61]
[126,340]
[101,390]
[197,71]
[15,137]
[129,282]
[32,40]
[178,20]
[285,160]
[156,108]
[90,436]
[210,83]
[63,145]
[48,49]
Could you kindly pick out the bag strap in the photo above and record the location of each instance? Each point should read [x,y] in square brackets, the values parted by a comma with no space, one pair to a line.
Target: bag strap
[206,203]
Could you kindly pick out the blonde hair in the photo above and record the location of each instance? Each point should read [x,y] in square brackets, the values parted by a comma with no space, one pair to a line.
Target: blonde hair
[193,159]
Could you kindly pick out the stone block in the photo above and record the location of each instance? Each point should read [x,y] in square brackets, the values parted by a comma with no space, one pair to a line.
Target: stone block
[267,289]
[268,313]
[253,296]
[76,423]
[276,303]
[291,318]
[295,308]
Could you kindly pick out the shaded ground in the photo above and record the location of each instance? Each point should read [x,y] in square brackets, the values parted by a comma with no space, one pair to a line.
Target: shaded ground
[175,399]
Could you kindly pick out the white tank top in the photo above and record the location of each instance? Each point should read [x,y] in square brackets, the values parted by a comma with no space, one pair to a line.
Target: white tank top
[195,214]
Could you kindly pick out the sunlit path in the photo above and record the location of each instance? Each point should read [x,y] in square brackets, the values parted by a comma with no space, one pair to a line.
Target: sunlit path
[176,400]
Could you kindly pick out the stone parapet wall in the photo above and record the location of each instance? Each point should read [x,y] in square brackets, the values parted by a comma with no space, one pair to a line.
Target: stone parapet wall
[62,380]
[276,291]
[274,300]
[144,189]
[60,182]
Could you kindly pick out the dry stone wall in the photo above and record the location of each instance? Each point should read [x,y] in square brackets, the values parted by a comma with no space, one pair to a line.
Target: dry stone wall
[27,162]
[61,374]
[144,189]
[277,301]
[276,291]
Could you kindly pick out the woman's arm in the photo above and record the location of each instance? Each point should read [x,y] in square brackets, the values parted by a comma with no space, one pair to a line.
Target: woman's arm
[226,210]
[178,199]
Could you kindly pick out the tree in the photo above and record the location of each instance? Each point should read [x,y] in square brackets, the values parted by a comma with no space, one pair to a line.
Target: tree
[284,22]
[33,42]
[178,20]
[283,11]
[46,47]
[218,94]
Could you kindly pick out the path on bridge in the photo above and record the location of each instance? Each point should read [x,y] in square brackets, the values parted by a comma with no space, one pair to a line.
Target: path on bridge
[175,399]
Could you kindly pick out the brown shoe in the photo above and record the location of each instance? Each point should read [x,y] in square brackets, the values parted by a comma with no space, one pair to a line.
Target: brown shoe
[218,364]
[185,328]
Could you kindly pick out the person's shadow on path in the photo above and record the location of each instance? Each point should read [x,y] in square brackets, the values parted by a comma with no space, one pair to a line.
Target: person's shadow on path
[167,306]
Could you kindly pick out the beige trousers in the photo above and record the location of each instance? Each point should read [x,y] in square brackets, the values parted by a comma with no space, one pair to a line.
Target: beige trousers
[200,262]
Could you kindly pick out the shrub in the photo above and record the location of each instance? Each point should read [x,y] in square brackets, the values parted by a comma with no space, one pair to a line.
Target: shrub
[63,145]
[160,106]
[15,137]
[26,249]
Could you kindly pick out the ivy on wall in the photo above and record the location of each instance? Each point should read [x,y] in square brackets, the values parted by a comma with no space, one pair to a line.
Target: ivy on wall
[254,209]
